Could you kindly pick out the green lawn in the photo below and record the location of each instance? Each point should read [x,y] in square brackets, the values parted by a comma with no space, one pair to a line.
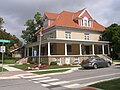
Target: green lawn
[55,67]
[24,66]
[3,69]
[116,60]
[53,71]
[8,61]
[108,85]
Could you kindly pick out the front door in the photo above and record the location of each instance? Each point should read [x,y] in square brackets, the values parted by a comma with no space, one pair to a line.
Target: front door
[87,49]
[67,61]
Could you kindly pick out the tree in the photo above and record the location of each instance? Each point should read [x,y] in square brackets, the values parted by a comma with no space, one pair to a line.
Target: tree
[32,25]
[1,22]
[112,34]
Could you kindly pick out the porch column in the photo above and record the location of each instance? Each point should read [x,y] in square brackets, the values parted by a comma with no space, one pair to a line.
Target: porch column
[80,49]
[108,50]
[65,49]
[93,49]
[48,48]
[32,51]
[27,51]
[103,51]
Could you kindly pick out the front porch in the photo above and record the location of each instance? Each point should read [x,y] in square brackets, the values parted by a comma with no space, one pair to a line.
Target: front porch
[65,52]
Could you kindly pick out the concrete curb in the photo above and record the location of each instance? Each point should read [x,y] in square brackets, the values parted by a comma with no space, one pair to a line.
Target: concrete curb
[31,75]
[73,68]
[66,72]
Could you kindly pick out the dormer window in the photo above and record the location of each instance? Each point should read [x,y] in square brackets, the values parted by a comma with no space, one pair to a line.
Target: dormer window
[85,22]
[89,23]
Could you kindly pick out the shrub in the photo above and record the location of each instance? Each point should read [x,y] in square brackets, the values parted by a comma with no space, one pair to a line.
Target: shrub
[42,63]
[53,63]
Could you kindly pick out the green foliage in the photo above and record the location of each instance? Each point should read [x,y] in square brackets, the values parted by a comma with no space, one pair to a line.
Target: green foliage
[7,36]
[53,63]
[1,22]
[32,25]
[112,34]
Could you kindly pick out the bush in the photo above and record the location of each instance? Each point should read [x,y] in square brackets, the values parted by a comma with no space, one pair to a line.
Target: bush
[53,63]
[42,63]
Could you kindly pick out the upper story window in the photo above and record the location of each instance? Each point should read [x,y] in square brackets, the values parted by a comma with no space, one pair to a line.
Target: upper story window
[68,35]
[89,23]
[85,22]
[87,36]
[45,23]
[50,35]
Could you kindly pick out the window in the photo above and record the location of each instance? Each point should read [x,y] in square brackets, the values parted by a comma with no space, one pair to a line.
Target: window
[46,23]
[86,36]
[68,35]
[89,23]
[58,60]
[85,23]
[51,48]
[50,35]
[69,48]
[76,59]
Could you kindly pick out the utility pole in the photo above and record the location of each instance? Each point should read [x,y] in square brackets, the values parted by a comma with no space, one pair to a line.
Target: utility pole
[40,33]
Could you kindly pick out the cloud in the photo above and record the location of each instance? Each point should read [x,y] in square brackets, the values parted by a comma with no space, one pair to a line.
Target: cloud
[16,12]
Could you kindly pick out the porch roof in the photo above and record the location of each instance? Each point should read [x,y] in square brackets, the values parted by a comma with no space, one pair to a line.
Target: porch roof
[60,40]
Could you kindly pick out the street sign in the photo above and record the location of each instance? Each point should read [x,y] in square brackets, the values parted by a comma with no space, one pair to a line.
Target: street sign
[2,49]
[5,41]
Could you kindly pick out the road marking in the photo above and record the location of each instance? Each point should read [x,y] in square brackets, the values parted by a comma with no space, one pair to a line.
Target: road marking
[36,82]
[36,79]
[84,85]
[45,85]
[57,83]
[73,86]
[94,77]
[49,80]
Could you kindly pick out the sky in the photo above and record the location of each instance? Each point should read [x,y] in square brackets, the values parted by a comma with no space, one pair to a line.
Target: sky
[16,12]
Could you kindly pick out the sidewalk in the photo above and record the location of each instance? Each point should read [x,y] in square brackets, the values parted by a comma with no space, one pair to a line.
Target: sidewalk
[6,66]
[14,73]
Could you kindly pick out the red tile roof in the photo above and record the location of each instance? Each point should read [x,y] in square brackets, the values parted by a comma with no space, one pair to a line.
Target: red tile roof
[66,19]
[51,15]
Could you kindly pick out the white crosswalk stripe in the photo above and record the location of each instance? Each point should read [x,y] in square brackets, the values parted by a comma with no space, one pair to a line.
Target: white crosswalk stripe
[73,86]
[36,79]
[49,82]
[59,83]
[45,85]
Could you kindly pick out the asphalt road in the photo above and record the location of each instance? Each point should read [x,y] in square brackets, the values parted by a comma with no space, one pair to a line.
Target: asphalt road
[70,81]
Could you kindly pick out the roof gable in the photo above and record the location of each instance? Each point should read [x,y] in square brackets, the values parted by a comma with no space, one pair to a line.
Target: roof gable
[85,13]
[68,19]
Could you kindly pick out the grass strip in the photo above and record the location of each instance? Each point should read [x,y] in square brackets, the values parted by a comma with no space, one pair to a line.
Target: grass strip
[108,85]
[116,60]
[23,66]
[55,67]
[53,71]
[9,61]
[3,69]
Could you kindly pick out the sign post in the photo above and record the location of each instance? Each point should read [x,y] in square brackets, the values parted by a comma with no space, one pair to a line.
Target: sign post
[2,49]
[2,60]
